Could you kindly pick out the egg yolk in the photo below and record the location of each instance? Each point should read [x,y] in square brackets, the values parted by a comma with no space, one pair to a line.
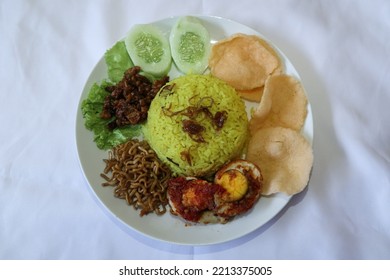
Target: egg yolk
[235,184]
[189,197]
[198,195]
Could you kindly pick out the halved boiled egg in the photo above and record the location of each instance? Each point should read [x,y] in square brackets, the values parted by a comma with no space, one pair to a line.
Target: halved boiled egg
[241,182]
[193,199]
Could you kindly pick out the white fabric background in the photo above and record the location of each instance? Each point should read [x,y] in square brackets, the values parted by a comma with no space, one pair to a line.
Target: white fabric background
[341,50]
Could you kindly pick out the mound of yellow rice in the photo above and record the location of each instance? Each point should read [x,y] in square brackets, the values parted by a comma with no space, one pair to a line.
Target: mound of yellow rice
[164,129]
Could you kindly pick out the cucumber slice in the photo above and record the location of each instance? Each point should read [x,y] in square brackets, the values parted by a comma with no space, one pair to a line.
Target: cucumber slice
[149,48]
[190,45]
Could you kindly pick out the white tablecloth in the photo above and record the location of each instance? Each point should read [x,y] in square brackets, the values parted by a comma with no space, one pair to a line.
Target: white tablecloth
[341,50]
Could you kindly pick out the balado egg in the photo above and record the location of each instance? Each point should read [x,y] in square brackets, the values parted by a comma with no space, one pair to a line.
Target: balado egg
[241,182]
[235,190]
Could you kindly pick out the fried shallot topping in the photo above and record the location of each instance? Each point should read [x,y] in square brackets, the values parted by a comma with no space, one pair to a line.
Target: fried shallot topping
[201,108]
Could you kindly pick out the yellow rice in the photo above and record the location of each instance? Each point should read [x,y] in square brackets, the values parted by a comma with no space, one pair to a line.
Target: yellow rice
[166,136]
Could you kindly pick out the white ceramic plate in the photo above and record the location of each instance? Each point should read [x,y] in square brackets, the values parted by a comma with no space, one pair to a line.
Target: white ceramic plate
[167,227]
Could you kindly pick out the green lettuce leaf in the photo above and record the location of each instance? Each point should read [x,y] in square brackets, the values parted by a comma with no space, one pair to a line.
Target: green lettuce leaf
[118,61]
[91,108]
